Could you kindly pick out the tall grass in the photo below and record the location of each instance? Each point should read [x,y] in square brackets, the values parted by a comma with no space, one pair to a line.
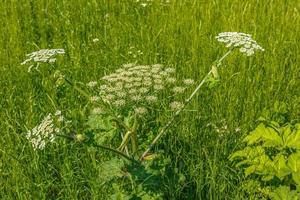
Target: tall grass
[179,35]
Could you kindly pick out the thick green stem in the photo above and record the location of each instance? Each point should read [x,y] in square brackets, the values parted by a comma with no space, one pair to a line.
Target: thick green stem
[187,101]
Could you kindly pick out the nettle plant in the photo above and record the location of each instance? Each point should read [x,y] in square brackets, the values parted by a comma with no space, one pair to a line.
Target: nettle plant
[124,117]
[271,157]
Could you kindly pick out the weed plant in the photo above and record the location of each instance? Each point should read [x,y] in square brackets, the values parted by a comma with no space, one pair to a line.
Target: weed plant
[100,36]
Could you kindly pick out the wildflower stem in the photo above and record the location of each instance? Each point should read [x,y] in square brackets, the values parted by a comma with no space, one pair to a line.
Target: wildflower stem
[105,148]
[116,152]
[187,101]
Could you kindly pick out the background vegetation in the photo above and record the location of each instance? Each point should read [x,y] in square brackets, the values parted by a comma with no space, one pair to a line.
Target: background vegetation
[179,34]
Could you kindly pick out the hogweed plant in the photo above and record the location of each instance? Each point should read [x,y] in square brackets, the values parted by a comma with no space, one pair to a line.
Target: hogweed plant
[125,106]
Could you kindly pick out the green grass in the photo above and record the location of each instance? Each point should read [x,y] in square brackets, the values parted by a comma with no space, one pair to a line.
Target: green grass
[180,35]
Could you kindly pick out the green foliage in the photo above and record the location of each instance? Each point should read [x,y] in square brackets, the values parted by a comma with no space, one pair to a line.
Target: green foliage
[103,127]
[111,169]
[179,35]
[272,155]
[137,180]
[284,192]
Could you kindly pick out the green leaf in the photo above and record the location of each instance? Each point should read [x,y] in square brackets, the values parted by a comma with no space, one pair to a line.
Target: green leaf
[292,139]
[284,193]
[250,170]
[104,137]
[296,178]
[111,169]
[119,196]
[103,126]
[294,162]
[282,169]
[255,136]
[268,135]
[100,122]
[239,154]
[271,138]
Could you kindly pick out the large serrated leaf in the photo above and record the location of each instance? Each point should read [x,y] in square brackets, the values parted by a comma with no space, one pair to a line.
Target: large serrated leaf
[255,136]
[111,169]
[271,138]
[100,122]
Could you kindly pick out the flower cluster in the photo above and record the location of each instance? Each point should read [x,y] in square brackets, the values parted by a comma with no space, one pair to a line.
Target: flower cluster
[43,55]
[243,41]
[45,132]
[136,87]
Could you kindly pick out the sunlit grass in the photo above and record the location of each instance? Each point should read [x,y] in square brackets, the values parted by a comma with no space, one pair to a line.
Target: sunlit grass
[181,35]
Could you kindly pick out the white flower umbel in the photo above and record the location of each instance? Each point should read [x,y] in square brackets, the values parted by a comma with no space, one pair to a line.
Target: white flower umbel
[43,133]
[131,85]
[243,41]
[43,56]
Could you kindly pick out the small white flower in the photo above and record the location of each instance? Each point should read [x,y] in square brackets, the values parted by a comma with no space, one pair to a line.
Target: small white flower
[143,90]
[95,98]
[133,91]
[170,70]
[57,113]
[119,102]
[95,40]
[128,65]
[97,111]
[158,87]
[188,81]
[140,111]
[238,129]
[151,99]
[176,105]
[178,90]
[92,84]
[136,98]
[109,97]
[60,119]
[121,94]
[171,80]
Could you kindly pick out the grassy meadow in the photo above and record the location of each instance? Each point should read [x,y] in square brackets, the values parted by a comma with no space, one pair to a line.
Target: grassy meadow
[99,36]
